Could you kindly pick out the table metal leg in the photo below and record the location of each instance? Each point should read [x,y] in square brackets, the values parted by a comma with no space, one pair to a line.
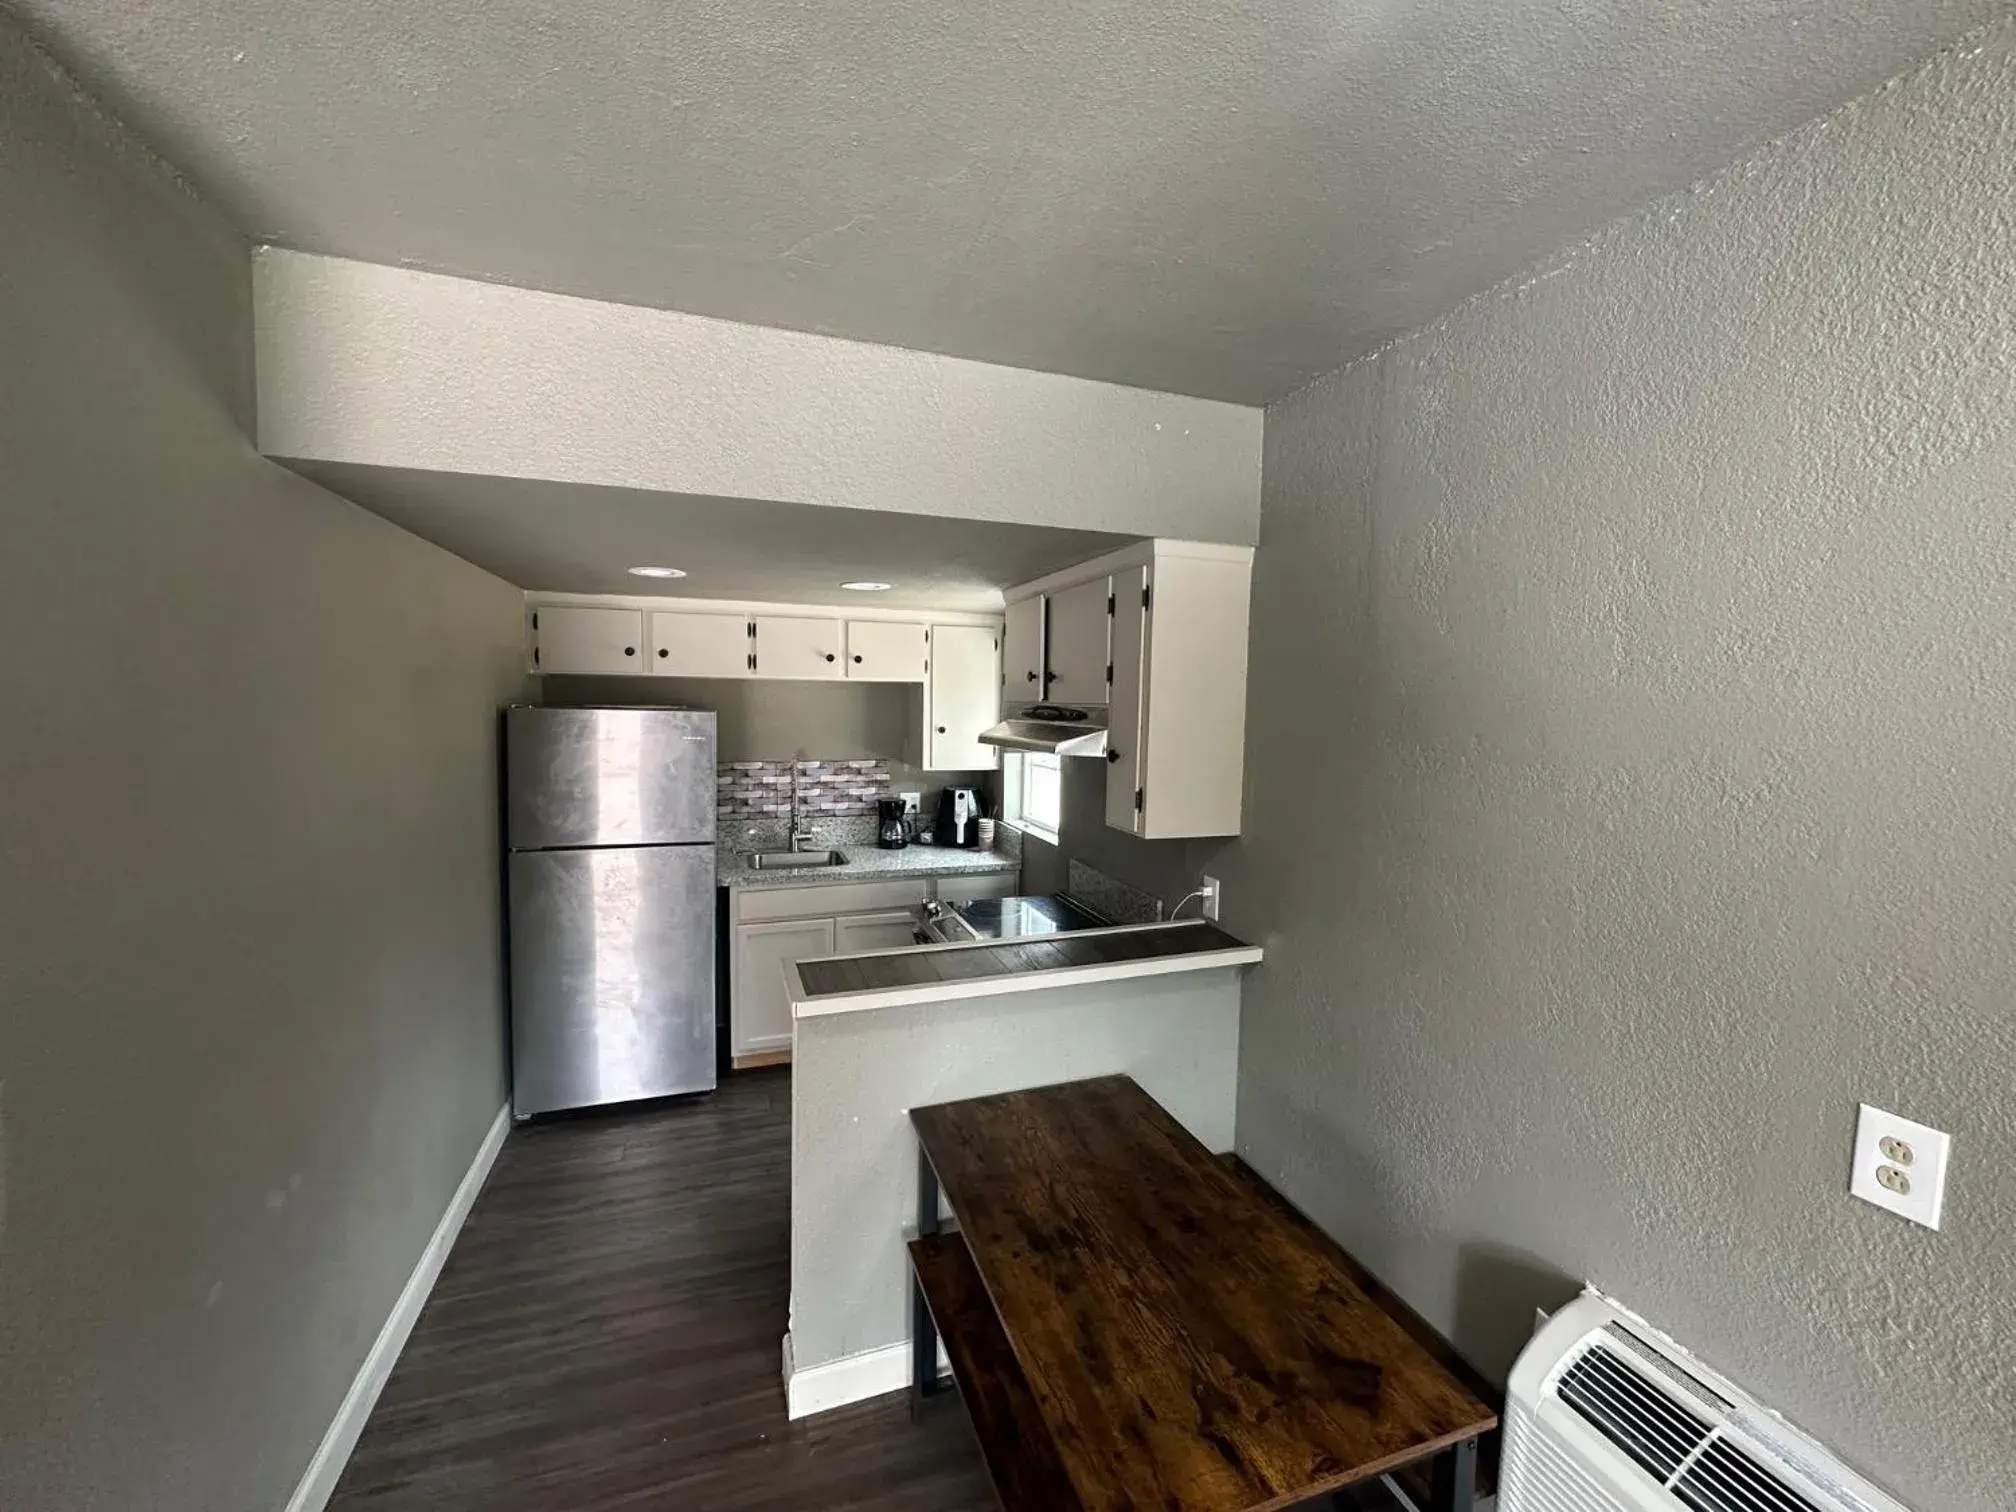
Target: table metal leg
[923,1332]
[927,1194]
[1453,1479]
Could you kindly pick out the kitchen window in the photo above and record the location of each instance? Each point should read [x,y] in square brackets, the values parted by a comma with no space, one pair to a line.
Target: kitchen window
[1034,785]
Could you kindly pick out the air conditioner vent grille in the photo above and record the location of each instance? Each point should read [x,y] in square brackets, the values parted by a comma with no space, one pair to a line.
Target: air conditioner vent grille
[1725,1479]
[1634,1414]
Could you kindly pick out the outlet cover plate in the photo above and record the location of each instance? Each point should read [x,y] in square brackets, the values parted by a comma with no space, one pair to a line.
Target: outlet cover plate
[1213,893]
[1926,1171]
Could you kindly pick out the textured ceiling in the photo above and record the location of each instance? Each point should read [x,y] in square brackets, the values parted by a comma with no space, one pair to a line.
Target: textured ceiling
[572,538]
[1181,194]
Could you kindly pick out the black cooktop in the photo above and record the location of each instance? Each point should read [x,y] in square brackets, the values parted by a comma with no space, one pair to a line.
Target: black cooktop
[1020,918]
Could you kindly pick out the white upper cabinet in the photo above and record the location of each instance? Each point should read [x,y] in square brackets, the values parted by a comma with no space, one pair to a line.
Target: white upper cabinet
[1022,652]
[963,698]
[699,645]
[573,639]
[789,646]
[1078,644]
[1175,641]
[884,651]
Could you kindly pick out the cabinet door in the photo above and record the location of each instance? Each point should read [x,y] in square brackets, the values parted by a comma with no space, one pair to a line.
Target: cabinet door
[759,1012]
[868,932]
[1022,652]
[700,645]
[588,640]
[883,652]
[965,697]
[1077,650]
[787,646]
[1127,716]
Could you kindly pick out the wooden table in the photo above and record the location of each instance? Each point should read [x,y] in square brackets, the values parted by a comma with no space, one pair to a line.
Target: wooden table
[1134,1326]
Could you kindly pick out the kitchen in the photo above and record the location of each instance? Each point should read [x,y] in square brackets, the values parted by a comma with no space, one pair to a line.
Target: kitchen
[852,873]
[861,762]
[1610,402]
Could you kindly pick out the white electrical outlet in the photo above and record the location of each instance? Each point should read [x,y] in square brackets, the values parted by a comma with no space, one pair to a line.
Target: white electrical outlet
[1900,1165]
[911,801]
[1211,891]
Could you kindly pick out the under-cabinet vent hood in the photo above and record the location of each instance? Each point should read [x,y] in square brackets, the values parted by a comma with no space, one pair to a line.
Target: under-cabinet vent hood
[1055,729]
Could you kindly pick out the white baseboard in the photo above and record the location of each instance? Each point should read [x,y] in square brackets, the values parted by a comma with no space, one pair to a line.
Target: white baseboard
[318,1481]
[852,1378]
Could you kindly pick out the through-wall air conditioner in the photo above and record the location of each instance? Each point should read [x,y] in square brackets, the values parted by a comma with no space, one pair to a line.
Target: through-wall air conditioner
[1603,1414]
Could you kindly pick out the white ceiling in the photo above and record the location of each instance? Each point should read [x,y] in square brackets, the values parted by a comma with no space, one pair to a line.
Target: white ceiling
[1216,199]
[573,538]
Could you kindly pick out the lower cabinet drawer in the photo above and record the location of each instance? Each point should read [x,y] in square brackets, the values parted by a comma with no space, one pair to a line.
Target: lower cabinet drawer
[825,902]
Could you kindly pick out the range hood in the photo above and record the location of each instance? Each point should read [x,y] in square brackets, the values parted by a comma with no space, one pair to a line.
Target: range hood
[1053,729]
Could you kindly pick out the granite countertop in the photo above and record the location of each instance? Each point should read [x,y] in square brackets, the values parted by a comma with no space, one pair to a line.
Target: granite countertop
[865,863]
[943,973]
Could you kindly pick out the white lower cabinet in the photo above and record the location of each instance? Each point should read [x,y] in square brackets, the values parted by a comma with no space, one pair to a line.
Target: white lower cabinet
[871,932]
[774,926]
[760,1012]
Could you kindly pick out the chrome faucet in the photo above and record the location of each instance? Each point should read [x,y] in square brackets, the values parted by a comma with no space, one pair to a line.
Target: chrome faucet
[800,835]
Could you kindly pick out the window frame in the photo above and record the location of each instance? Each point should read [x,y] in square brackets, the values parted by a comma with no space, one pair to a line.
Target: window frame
[1015,791]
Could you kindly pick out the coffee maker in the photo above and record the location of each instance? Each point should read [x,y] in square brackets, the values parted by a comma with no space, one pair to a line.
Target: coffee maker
[959,818]
[892,824]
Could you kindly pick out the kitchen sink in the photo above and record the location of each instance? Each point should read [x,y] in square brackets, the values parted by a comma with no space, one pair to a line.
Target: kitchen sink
[797,860]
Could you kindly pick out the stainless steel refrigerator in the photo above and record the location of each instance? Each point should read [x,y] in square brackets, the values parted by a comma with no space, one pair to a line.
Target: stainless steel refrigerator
[609,829]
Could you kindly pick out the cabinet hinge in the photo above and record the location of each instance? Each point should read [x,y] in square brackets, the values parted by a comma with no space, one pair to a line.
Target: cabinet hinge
[1112,605]
[1140,798]
[1147,596]
[752,661]
[1109,674]
[535,619]
[535,656]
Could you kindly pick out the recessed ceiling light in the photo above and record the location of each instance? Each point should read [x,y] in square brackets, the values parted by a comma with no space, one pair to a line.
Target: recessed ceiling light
[657,572]
[866,587]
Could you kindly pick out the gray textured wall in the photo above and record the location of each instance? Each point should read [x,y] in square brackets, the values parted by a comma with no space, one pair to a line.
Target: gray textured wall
[771,720]
[855,1076]
[1648,632]
[251,1024]
[784,721]
[360,363]
[1167,868]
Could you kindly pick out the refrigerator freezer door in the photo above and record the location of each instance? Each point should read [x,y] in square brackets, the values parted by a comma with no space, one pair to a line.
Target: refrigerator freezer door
[608,777]
[612,975]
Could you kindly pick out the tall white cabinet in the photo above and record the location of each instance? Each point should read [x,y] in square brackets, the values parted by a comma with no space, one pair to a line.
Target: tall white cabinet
[964,697]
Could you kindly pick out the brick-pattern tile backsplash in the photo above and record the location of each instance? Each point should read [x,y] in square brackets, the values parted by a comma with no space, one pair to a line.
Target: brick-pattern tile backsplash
[826,789]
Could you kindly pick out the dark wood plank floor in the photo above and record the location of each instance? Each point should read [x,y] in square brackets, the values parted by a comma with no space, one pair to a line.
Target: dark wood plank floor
[606,1334]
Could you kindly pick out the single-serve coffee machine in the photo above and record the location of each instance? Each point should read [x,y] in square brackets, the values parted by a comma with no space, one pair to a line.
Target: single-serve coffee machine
[959,818]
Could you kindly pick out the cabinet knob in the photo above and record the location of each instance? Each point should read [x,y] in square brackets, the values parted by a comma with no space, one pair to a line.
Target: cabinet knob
[1032,677]
[941,729]
[829,656]
[857,660]
[629,650]
[1112,755]
[663,653]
